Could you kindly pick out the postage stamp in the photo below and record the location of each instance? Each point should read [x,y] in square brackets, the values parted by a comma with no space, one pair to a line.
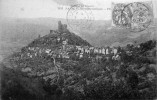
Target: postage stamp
[136,16]
[118,16]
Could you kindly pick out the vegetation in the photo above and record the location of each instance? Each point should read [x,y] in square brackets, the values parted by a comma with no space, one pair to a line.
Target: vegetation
[132,77]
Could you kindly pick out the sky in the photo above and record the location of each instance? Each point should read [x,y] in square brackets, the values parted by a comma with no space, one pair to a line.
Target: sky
[49,8]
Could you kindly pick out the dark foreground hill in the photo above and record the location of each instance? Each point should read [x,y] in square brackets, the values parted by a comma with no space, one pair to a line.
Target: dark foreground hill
[28,77]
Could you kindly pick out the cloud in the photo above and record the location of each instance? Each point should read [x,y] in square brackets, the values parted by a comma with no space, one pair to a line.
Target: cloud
[67,2]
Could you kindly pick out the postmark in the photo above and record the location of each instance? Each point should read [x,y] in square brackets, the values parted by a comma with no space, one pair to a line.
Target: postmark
[141,16]
[79,17]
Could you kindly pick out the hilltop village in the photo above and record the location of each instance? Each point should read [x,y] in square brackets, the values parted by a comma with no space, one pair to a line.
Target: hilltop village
[64,50]
[63,66]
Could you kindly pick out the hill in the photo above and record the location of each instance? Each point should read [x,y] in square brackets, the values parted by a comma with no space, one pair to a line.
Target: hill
[50,39]
[37,72]
[36,51]
[17,33]
[39,77]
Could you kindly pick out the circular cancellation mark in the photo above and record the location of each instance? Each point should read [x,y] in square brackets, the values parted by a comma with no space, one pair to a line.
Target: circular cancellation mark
[134,16]
[79,17]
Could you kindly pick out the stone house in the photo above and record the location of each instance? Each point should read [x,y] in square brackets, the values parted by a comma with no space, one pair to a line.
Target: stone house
[99,50]
[115,50]
[86,49]
[103,50]
[81,55]
[108,50]
[65,42]
[96,50]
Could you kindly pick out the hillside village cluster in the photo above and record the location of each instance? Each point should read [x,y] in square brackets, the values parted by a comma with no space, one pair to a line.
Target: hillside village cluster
[70,51]
[67,51]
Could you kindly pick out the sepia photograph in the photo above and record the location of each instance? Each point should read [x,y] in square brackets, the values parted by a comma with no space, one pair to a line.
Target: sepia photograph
[78,49]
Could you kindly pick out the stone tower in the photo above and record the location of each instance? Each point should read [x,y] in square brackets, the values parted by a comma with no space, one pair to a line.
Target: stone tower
[60,27]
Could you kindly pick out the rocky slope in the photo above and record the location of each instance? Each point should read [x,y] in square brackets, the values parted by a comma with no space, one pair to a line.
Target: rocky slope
[36,76]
